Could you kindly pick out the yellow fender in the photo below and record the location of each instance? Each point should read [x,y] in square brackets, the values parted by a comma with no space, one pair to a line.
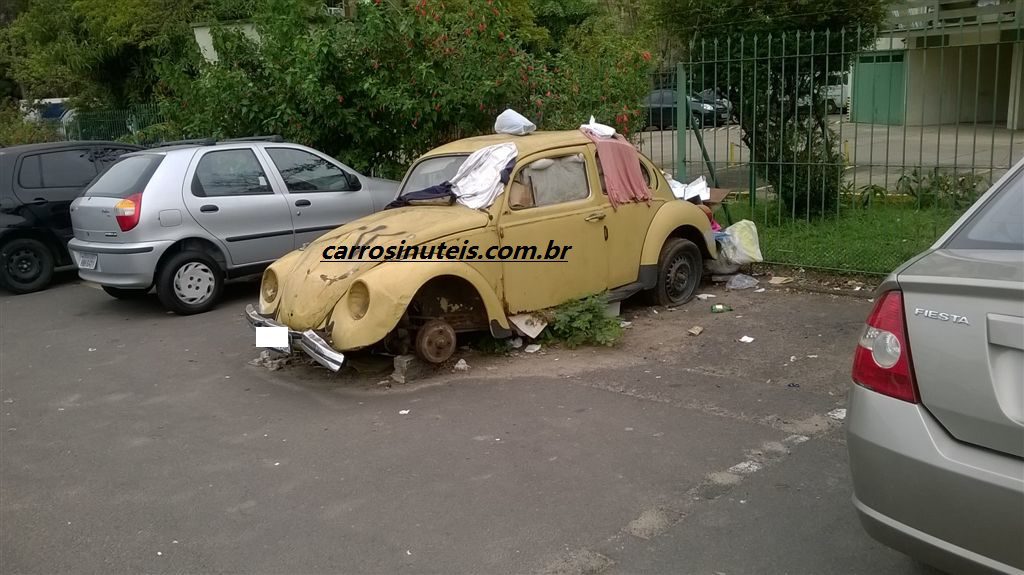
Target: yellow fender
[391,287]
[682,219]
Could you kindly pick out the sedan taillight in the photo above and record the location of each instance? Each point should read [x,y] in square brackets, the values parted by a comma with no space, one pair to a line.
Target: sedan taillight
[882,361]
[127,212]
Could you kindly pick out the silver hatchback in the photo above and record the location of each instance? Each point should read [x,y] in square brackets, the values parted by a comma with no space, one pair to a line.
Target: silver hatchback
[186,218]
[935,428]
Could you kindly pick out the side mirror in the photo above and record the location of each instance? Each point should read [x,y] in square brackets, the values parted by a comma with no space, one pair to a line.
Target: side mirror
[354,185]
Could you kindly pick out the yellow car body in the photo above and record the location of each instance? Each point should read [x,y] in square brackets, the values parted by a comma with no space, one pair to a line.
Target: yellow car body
[355,304]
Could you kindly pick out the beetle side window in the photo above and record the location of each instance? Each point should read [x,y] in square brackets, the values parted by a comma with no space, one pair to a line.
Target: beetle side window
[550,181]
[229,173]
[305,172]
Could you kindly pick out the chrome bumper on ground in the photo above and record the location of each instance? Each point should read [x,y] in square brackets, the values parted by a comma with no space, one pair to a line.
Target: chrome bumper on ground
[307,341]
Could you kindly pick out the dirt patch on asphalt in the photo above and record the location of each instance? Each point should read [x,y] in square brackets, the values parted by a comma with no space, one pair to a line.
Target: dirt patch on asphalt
[801,342]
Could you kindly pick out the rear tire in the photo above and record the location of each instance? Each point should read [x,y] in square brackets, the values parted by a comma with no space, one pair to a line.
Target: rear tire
[125,293]
[190,282]
[26,265]
[680,267]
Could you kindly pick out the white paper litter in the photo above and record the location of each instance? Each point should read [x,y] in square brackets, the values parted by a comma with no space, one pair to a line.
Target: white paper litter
[696,189]
[532,348]
[705,296]
[760,290]
[461,365]
[403,412]
[838,414]
[746,339]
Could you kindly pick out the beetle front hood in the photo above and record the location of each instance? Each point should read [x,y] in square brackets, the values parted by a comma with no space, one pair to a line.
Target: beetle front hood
[309,285]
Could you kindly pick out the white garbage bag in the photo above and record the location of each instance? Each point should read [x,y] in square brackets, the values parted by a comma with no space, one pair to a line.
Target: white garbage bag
[742,246]
[514,123]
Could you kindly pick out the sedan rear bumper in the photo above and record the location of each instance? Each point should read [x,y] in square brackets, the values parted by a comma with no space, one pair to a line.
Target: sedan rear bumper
[921,491]
[309,342]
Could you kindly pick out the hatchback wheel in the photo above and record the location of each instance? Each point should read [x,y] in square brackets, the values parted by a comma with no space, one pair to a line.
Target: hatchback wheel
[189,282]
[26,265]
[680,267]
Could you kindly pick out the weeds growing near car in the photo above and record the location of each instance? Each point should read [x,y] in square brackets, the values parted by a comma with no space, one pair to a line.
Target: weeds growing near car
[582,322]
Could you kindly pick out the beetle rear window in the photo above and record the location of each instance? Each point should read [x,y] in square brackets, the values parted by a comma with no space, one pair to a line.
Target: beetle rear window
[128,176]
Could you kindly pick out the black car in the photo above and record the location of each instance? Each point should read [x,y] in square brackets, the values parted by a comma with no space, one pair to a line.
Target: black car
[661,111]
[37,184]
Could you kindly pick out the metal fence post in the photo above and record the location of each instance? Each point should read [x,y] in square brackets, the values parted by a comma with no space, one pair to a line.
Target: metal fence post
[682,107]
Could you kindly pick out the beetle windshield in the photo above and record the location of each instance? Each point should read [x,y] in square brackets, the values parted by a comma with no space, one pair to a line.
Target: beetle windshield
[431,172]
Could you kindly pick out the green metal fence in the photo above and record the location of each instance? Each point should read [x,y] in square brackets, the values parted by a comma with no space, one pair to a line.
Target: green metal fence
[109,124]
[851,150]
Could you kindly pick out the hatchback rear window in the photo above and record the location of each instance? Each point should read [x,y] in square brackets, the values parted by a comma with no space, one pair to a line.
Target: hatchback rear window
[128,176]
[999,224]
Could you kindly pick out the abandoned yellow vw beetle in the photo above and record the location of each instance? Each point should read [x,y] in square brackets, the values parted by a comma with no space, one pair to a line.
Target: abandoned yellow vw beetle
[553,229]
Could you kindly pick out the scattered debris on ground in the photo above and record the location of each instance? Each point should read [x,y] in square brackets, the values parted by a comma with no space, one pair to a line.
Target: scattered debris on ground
[409,367]
[720,308]
[461,365]
[695,330]
[532,348]
[271,361]
[746,339]
[741,281]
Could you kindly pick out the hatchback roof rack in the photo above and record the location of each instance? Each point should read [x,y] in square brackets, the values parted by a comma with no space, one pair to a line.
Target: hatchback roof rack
[273,138]
[193,142]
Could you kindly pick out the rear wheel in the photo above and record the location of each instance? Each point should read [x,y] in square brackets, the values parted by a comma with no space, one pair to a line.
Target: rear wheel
[696,121]
[680,267]
[126,293]
[26,265]
[189,282]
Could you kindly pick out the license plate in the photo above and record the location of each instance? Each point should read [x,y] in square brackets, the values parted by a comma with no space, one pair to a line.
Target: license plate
[86,261]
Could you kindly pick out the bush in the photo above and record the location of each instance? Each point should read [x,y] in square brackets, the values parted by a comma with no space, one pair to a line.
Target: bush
[16,130]
[936,188]
[583,322]
[401,79]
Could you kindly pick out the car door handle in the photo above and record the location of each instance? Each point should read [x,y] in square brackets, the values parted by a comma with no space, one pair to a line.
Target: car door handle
[595,217]
[302,203]
[38,201]
[209,209]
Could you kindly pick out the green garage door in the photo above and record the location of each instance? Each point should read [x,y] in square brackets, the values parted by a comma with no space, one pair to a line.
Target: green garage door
[879,88]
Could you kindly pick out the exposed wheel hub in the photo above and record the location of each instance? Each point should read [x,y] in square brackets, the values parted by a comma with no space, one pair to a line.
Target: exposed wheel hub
[435,341]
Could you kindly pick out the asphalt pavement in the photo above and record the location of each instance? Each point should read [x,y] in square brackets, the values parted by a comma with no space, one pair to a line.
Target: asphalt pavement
[132,440]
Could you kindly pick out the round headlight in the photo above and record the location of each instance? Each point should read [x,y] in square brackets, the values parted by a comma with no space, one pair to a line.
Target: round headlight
[708,107]
[358,299]
[269,286]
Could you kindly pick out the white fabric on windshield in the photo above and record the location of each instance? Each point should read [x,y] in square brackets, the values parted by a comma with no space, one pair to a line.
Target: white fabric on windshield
[478,182]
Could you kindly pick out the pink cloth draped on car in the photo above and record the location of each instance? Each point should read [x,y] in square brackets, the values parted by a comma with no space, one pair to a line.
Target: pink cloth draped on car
[623,181]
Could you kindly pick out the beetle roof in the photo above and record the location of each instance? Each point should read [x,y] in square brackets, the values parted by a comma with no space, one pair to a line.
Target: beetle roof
[531,144]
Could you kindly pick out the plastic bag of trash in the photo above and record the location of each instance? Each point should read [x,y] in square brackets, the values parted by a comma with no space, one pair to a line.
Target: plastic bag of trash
[741,245]
[741,281]
[514,123]
[600,130]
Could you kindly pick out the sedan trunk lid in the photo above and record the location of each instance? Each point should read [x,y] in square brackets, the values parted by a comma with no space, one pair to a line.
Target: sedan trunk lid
[965,319]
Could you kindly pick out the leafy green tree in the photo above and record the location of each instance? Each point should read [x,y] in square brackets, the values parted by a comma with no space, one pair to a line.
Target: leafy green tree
[790,51]
[400,79]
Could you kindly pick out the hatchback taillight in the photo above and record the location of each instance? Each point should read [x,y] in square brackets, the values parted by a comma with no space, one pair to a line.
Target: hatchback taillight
[127,212]
[882,361]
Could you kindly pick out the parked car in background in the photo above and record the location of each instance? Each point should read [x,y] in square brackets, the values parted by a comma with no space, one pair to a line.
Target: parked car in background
[554,195]
[37,185]
[719,100]
[935,427]
[661,106]
[184,218]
